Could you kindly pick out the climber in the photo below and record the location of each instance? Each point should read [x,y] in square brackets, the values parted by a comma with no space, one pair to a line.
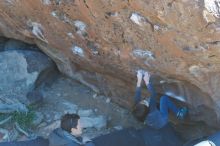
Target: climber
[147,111]
[70,133]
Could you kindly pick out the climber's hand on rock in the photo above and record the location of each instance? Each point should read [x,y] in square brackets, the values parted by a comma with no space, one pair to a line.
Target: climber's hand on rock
[139,78]
[146,78]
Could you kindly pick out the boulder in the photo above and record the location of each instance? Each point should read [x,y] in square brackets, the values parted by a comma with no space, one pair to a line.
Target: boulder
[85,113]
[38,118]
[46,130]
[70,107]
[4,135]
[12,44]
[97,122]
[2,43]
[102,44]
[19,71]
[35,97]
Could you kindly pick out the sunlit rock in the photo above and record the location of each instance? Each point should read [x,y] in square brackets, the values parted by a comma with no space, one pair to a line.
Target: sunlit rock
[78,51]
[81,27]
[46,2]
[213,6]
[137,19]
[139,53]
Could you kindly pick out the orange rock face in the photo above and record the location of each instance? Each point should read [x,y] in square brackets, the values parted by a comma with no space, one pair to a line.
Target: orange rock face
[102,43]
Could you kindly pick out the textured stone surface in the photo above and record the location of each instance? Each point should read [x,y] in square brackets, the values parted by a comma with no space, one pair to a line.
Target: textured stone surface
[19,71]
[102,43]
[97,122]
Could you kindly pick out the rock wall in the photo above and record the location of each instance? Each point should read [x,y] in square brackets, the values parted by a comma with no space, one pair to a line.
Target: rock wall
[23,67]
[102,43]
